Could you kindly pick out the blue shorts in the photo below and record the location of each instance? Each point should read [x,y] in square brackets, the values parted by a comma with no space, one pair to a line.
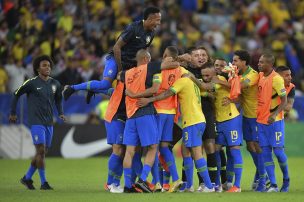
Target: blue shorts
[229,132]
[141,131]
[115,131]
[165,124]
[42,134]
[272,135]
[192,135]
[110,69]
[250,129]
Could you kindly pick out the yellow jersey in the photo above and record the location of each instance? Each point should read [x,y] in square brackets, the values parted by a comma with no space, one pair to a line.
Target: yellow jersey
[249,94]
[189,98]
[223,113]
[278,90]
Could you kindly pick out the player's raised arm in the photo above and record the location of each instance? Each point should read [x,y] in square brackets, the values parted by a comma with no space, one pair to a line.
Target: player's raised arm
[117,52]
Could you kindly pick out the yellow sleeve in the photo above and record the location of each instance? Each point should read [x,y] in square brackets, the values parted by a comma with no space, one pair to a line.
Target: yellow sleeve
[183,70]
[278,85]
[177,85]
[157,78]
[218,86]
[251,79]
[222,78]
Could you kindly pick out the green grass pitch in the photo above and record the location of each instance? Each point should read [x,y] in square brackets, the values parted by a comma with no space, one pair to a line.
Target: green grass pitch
[83,179]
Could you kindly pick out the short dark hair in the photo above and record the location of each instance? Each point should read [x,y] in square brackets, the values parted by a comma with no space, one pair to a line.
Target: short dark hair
[282,68]
[37,60]
[191,48]
[208,65]
[243,55]
[270,58]
[219,58]
[173,51]
[150,10]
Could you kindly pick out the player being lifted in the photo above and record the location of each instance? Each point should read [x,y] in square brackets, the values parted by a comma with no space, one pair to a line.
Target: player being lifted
[138,35]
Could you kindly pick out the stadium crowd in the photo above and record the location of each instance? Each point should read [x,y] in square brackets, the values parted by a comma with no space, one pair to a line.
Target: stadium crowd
[78,34]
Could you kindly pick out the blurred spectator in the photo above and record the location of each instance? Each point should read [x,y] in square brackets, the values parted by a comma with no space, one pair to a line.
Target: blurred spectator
[101,108]
[16,74]
[3,79]
[71,74]
[87,30]
[66,22]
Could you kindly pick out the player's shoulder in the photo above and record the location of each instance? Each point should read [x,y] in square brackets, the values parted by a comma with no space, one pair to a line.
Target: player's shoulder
[31,80]
[221,77]
[54,81]
[277,78]
[253,71]
[136,25]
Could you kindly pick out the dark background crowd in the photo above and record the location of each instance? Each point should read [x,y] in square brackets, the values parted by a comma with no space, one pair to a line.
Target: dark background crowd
[79,33]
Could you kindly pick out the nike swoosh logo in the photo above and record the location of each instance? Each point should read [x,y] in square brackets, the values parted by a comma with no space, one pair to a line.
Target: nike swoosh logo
[39,88]
[71,149]
[138,37]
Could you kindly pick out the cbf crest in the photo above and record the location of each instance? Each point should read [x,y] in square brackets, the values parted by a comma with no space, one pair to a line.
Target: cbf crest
[148,39]
[54,88]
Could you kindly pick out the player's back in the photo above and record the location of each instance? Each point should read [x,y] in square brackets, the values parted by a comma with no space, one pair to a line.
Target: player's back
[167,78]
[188,94]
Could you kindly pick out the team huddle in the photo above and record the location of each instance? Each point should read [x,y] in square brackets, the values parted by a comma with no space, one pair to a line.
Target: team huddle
[217,106]
[171,89]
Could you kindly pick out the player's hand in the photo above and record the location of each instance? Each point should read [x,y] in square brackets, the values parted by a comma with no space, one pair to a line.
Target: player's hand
[185,57]
[118,76]
[63,118]
[12,118]
[271,118]
[142,102]
[168,59]
[130,94]
[226,101]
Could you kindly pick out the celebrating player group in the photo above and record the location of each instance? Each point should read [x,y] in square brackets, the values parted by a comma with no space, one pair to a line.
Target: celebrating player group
[210,105]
